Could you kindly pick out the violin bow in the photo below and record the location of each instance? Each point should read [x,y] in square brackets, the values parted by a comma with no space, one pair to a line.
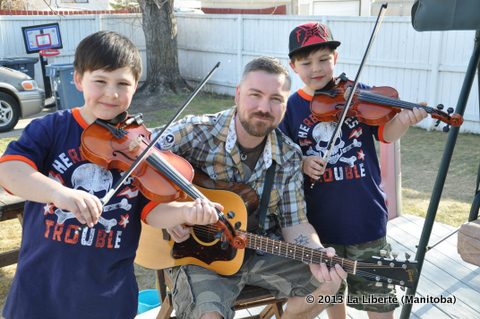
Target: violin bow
[343,114]
[144,154]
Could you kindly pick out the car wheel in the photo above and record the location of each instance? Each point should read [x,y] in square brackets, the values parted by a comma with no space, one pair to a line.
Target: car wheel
[9,112]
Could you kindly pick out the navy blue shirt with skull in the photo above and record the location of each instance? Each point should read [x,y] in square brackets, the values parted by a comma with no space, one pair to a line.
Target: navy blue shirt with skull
[65,271]
[347,205]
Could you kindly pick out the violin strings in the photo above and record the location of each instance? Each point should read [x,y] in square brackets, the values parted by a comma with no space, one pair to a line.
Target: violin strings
[376,98]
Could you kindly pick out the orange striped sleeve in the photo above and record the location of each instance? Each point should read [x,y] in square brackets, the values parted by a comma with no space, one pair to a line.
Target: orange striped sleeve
[146,210]
[380,134]
[26,160]
[21,158]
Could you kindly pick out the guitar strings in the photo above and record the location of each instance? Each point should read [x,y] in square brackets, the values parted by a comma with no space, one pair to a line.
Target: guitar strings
[316,256]
[268,244]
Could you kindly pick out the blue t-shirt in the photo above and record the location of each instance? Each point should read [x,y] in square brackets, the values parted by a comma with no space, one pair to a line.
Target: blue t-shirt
[347,205]
[64,272]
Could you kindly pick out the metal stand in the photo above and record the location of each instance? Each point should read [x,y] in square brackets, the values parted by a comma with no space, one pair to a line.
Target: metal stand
[46,80]
[442,172]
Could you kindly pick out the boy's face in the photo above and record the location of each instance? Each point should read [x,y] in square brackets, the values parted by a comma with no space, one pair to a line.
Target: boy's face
[106,93]
[316,70]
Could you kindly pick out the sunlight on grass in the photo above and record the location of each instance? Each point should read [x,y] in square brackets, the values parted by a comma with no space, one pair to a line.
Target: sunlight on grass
[451,212]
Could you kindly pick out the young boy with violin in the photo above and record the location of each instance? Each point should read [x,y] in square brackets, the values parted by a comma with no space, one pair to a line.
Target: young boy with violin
[346,204]
[65,269]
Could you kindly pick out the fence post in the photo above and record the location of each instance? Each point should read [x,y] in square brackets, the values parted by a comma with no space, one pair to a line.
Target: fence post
[435,54]
[239,45]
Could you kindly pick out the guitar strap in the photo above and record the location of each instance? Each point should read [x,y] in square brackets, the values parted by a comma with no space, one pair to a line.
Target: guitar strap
[267,189]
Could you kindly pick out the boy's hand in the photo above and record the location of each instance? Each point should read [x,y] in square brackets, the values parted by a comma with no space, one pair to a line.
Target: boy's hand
[86,207]
[313,166]
[411,117]
[329,278]
[201,212]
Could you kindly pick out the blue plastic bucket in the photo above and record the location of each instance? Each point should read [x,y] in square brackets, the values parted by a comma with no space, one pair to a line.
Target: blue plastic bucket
[148,299]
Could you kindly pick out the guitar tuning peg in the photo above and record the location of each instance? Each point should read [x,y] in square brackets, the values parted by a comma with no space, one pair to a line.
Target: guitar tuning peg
[407,256]
[237,225]
[402,287]
[440,106]
[394,254]
[450,110]
[383,253]
[446,128]
[230,215]
[437,123]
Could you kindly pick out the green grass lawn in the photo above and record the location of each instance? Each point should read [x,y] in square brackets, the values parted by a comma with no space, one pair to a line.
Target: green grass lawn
[421,153]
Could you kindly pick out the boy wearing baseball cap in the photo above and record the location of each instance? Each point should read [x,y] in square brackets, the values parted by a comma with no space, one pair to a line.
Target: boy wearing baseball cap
[346,205]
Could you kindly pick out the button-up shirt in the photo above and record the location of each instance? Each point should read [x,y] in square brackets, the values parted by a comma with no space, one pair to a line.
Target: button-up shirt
[208,142]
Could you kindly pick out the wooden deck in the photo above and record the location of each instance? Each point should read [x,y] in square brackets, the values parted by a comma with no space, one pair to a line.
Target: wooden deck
[444,274]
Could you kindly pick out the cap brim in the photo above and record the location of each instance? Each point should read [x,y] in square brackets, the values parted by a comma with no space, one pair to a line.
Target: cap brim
[331,44]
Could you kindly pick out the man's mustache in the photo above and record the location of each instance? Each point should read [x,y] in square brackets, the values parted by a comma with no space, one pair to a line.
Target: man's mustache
[263,115]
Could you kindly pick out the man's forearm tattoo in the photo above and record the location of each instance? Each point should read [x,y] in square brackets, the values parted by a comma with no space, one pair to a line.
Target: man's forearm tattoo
[302,240]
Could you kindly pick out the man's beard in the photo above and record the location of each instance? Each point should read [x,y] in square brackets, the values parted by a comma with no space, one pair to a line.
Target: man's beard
[258,130]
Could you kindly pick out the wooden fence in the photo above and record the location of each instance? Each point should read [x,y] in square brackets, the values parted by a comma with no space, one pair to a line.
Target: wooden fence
[422,66]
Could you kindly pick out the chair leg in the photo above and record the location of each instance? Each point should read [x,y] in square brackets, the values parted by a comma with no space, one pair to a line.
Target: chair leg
[166,308]
[269,311]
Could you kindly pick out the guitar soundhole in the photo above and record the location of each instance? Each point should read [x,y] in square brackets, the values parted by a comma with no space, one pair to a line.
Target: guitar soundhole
[202,235]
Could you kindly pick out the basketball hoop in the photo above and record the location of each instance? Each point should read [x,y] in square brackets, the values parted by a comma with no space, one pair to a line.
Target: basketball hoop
[49,52]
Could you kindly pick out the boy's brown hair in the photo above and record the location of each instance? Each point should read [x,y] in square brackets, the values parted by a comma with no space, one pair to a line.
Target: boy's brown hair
[302,54]
[107,50]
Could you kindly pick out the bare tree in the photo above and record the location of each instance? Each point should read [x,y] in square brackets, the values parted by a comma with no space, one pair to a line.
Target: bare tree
[12,4]
[160,29]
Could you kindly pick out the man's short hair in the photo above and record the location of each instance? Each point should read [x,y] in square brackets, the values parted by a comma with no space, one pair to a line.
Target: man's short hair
[269,65]
[109,51]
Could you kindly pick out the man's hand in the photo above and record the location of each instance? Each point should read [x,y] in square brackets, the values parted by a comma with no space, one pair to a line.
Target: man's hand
[179,233]
[313,166]
[201,212]
[330,279]
[198,212]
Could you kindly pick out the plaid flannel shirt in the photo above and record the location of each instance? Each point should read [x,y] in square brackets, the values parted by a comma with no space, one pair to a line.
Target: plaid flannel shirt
[208,142]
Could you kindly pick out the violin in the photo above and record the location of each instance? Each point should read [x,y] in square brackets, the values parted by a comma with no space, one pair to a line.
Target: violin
[375,106]
[162,177]
[117,146]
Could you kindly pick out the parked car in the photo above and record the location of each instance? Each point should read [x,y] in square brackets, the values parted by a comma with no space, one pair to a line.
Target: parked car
[20,97]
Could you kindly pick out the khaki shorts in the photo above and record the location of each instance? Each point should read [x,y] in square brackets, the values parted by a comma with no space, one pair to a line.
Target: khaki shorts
[358,286]
[198,290]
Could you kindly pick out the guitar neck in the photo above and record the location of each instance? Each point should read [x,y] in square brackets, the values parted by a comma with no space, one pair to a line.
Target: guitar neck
[297,252]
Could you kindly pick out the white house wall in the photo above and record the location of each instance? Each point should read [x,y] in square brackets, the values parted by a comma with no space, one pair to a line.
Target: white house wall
[422,66]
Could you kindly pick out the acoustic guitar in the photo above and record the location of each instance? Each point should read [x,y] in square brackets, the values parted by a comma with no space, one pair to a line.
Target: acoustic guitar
[208,248]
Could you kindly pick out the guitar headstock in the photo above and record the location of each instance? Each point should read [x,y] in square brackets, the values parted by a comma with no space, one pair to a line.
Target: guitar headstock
[389,271]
